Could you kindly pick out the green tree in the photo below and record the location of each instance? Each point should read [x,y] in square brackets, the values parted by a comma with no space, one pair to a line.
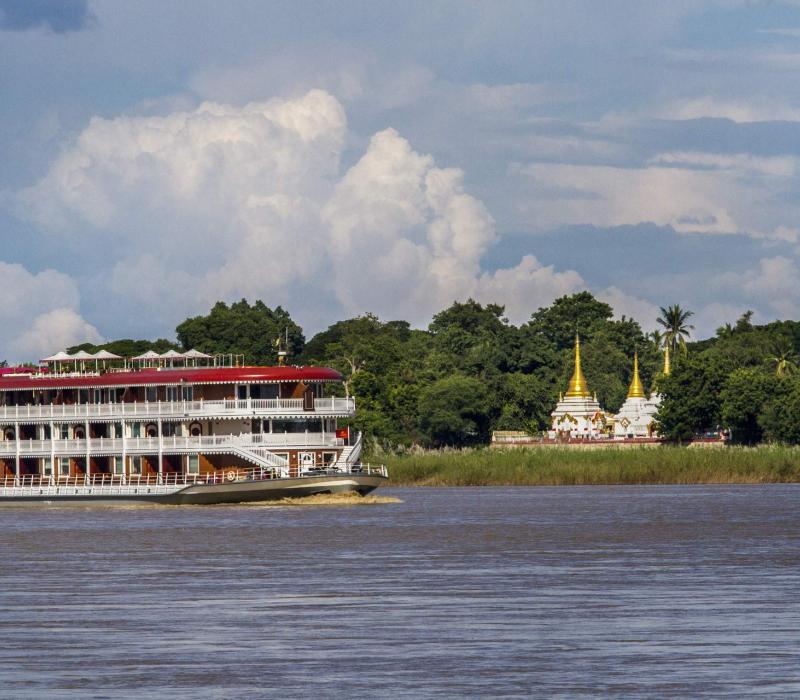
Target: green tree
[242,329]
[579,313]
[359,344]
[780,419]
[674,320]
[691,399]
[454,411]
[746,394]
[526,403]
[479,339]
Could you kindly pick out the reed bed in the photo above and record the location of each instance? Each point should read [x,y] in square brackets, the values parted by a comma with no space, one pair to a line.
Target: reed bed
[573,467]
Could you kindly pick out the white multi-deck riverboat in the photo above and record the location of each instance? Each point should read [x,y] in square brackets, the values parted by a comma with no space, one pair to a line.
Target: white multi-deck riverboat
[176,435]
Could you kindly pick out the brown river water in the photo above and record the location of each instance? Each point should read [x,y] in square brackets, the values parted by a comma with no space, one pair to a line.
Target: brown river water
[673,592]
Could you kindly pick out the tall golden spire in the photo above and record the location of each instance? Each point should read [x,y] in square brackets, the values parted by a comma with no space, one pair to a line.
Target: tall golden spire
[636,390]
[577,385]
[666,361]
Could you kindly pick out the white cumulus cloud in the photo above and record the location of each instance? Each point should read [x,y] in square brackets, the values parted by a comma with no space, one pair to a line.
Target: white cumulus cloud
[53,331]
[39,314]
[222,202]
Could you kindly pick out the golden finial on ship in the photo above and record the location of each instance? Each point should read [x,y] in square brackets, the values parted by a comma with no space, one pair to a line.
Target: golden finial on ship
[577,385]
[636,390]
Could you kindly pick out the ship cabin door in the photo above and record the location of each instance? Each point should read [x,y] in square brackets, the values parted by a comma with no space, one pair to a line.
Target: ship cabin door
[308,399]
[306,461]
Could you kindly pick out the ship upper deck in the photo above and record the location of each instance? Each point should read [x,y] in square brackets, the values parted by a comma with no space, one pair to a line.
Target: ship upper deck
[168,376]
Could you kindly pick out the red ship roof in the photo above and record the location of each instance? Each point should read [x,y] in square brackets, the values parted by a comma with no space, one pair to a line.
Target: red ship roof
[160,377]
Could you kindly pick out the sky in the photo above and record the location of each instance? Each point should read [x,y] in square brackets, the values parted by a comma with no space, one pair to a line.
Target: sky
[339,158]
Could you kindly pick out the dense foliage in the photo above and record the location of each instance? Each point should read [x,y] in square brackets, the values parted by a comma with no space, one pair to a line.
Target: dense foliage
[744,380]
[241,329]
[471,371]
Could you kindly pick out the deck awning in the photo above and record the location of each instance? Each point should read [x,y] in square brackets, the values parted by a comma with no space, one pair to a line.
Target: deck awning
[196,355]
[106,355]
[58,357]
[149,355]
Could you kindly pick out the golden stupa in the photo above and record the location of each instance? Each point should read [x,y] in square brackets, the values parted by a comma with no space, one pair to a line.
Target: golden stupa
[577,385]
[636,390]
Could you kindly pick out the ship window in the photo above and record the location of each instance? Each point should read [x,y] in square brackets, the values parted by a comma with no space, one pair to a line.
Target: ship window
[288,426]
[150,393]
[64,432]
[63,466]
[47,468]
[173,393]
[328,458]
[241,392]
[194,464]
[269,391]
[83,396]
[188,393]
[118,465]
[136,465]
[136,430]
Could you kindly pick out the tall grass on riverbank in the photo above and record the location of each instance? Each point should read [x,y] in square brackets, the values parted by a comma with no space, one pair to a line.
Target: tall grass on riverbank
[563,466]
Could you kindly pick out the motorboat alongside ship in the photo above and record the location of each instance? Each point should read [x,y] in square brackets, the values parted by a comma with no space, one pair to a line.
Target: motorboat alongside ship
[174,433]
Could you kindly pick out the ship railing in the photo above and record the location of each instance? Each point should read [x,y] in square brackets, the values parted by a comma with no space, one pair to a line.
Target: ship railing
[176,444]
[103,479]
[183,409]
[369,469]
[177,479]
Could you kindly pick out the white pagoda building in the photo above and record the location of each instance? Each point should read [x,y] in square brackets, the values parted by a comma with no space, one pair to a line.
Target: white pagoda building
[636,418]
[578,414]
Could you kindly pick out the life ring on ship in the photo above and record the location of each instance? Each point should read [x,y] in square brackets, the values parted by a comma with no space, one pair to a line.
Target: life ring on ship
[230,475]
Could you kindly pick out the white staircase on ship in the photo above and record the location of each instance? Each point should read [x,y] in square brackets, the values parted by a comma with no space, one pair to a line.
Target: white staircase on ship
[262,457]
[349,455]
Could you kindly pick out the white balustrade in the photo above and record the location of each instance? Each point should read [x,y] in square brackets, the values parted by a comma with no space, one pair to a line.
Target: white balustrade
[174,444]
[330,406]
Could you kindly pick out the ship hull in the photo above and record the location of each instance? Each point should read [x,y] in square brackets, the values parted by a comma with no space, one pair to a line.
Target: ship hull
[245,491]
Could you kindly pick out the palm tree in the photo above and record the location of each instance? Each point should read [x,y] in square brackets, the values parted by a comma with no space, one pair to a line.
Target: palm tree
[676,329]
[656,337]
[784,359]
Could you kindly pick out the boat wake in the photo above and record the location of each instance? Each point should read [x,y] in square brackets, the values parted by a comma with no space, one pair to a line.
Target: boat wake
[350,498]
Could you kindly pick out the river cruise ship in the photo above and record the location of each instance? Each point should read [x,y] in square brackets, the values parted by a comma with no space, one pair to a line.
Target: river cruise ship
[175,433]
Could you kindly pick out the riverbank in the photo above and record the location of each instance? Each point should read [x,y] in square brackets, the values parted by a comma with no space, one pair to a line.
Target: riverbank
[565,467]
